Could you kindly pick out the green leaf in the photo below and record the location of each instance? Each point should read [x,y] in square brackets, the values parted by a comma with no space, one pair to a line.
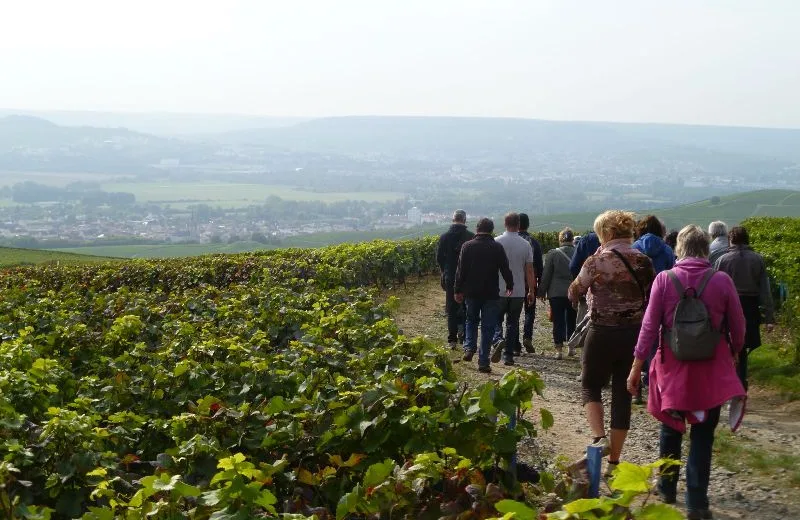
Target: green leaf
[547,481]
[276,405]
[630,477]
[520,510]
[659,512]
[584,505]
[347,504]
[378,472]
[185,490]
[181,368]
[547,418]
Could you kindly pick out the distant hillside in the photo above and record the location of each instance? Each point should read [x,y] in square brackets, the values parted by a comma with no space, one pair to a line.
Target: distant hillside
[10,257]
[30,144]
[468,137]
[158,123]
[731,209]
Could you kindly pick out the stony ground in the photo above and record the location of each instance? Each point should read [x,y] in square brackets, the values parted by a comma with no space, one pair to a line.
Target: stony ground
[770,424]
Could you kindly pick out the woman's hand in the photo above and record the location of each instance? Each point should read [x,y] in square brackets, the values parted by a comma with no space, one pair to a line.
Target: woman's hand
[634,380]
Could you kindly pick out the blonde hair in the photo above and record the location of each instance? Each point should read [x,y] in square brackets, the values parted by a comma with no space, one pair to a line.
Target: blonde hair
[613,224]
[693,242]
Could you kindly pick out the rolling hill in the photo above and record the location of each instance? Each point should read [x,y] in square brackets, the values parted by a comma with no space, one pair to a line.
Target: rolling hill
[731,209]
[11,256]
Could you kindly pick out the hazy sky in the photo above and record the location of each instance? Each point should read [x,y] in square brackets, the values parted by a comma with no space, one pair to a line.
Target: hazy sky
[689,61]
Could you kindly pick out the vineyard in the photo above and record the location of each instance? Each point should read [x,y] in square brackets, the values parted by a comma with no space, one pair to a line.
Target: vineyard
[251,386]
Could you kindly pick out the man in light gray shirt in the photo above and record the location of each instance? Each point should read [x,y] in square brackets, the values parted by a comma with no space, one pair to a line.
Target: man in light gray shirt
[719,240]
[520,260]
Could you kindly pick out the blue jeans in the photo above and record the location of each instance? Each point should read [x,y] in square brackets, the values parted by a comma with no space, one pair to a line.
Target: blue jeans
[483,312]
[564,316]
[698,466]
[509,309]
[530,315]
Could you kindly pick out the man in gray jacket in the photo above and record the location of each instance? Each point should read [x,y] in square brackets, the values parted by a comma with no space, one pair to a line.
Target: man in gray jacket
[749,274]
[719,240]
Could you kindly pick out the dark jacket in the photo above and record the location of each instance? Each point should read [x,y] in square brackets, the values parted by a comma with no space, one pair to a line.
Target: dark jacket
[587,246]
[538,260]
[480,260]
[660,253]
[449,248]
[749,274]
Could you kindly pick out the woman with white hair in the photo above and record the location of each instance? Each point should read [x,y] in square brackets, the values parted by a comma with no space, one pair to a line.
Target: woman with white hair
[685,391]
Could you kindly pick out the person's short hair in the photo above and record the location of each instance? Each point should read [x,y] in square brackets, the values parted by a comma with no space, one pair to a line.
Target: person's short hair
[739,236]
[613,224]
[693,242]
[566,235]
[717,229]
[485,225]
[512,220]
[460,216]
[672,239]
[650,224]
[524,222]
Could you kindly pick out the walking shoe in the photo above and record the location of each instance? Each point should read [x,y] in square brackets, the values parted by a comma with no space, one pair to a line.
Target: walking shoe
[468,355]
[699,514]
[528,344]
[485,370]
[509,362]
[570,351]
[602,442]
[559,351]
[609,472]
[453,345]
[497,350]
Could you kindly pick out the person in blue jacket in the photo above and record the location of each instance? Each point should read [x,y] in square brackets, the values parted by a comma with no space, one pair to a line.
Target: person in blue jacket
[651,242]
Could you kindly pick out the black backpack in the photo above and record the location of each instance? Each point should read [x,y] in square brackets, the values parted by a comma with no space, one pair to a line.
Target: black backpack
[692,336]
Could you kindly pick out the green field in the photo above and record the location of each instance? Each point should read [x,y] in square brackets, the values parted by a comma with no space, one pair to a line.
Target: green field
[310,240]
[10,256]
[228,194]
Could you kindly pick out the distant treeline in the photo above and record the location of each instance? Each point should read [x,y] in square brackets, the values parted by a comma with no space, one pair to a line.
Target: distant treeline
[29,192]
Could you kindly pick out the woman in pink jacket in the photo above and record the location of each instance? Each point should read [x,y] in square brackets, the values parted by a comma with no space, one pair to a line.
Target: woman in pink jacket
[690,391]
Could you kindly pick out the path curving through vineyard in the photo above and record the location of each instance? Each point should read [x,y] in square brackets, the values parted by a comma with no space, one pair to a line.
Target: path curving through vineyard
[771,427]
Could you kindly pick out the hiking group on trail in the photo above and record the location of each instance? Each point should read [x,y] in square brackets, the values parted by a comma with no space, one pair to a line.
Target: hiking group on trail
[645,312]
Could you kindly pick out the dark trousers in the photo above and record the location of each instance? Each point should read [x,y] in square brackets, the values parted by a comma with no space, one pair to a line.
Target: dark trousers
[608,354]
[564,316]
[483,312]
[741,368]
[509,310]
[698,466]
[456,315]
[530,316]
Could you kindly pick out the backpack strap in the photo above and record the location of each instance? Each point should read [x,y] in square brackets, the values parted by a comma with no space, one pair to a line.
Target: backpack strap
[633,274]
[564,254]
[706,278]
[676,282]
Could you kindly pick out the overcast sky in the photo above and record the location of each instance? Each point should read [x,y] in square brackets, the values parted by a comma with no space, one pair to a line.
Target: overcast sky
[684,61]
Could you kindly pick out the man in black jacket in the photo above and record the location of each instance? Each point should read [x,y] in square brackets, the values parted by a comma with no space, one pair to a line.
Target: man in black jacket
[447,257]
[538,269]
[477,283]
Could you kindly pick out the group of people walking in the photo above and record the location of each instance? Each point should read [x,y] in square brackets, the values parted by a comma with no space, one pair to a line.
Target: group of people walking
[680,319]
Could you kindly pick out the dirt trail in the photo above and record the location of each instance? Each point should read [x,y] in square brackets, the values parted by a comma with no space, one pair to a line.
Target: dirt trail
[769,423]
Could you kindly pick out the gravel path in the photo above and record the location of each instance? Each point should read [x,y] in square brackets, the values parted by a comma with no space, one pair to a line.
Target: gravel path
[774,425]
